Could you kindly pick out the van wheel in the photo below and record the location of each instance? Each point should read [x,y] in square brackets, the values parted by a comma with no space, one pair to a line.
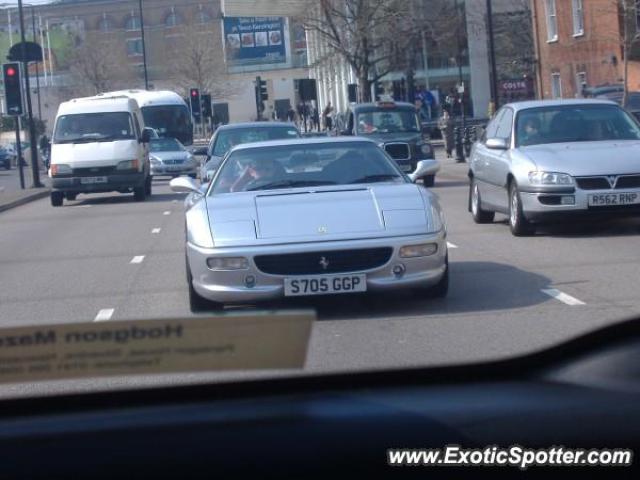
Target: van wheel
[147,185]
[140,193]
[56,199]
[70,196]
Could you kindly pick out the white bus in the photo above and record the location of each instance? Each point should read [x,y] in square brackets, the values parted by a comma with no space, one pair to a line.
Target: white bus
[164,111]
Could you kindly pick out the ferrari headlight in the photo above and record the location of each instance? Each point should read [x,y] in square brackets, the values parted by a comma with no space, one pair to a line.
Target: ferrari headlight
[550,178]
[228,263]
[422,250]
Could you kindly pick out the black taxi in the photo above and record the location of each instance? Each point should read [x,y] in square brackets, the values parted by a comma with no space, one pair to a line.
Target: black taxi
[396,127]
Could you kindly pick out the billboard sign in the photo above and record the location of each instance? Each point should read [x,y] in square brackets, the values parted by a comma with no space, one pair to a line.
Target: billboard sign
[254,40]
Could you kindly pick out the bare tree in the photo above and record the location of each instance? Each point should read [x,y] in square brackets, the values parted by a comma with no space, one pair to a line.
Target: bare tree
[199,62]
[629,37]
[96,65]
[376,37]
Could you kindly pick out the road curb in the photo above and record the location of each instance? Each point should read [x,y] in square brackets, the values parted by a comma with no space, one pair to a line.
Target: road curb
[41,193]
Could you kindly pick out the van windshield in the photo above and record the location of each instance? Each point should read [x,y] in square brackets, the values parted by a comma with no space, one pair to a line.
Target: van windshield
[94,127]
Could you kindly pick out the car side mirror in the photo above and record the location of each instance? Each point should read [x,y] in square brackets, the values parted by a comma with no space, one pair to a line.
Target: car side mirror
[146,135]
[497,144]
[422,169]
[184,185]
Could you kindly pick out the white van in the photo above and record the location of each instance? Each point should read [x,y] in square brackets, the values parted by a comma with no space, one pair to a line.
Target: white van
[99,145]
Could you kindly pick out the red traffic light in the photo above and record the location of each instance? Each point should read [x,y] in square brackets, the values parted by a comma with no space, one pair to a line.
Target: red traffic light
[194,93]
[11,71]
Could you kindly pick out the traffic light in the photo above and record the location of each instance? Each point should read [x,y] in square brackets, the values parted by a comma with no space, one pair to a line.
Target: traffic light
[262,89]
[13,88]
[206,105]
[194,97]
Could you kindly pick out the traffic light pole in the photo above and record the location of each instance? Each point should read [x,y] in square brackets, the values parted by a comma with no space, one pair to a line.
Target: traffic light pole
[19,151]
[32,131]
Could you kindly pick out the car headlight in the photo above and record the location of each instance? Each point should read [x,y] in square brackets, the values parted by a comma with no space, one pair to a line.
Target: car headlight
[422,250]
[128,165]
[550,178]
[155,160]
[228,263]
[425,149]
[60,169]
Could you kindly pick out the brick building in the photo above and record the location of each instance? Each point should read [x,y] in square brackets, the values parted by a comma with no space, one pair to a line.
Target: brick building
[579,43]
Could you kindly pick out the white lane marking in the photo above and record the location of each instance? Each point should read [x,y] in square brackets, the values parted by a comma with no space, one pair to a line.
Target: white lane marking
[82,206]
[137,259]
[174,201]
[104,315]
[156,230]
[563,297]
[451,245]
[166,212]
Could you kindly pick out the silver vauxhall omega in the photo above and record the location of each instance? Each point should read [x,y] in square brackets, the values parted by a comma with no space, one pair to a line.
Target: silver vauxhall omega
[311,217]
[544,160]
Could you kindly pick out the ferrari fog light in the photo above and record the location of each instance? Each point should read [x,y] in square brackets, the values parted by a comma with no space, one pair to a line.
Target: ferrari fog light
[423,250]
[568,200]
[399,269]
[250,281]
[227,263]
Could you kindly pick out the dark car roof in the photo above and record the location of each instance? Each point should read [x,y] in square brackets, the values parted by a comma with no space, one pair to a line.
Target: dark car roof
[362,106]
[235,126]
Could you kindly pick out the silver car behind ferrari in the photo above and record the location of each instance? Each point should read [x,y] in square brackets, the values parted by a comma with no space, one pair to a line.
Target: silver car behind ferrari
[545,160]
[311,217]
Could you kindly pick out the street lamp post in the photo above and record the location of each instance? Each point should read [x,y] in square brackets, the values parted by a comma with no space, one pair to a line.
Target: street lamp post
[32,131]
[144,48]
[35,40]
[492,56]
[458,139]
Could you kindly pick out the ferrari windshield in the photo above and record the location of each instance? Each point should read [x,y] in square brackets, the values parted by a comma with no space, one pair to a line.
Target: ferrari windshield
[301,165]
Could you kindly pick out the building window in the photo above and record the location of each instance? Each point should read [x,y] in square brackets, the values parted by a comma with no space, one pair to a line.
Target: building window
[578,18]
[556,86]
[581,82]
[552,20]
[132,23]
[203,17]
[173,20]
[105,24]
[134,47]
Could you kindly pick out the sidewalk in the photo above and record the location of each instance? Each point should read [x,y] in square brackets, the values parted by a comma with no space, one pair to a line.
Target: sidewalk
[11,195]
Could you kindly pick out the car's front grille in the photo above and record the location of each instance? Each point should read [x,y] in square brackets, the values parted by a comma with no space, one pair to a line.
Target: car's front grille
[317,263]
[173,161]
[630,181]
[606,182]
[93,171]
[398,151]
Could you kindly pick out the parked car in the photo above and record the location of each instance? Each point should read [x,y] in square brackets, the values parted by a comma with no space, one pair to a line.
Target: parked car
[632,105]
[395,126]
[227,136]
[547,160]
[5,158]
[169,157]
[310,217]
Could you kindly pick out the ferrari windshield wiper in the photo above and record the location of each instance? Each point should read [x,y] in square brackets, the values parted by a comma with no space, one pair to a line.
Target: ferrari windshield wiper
[291,184]
[376,178]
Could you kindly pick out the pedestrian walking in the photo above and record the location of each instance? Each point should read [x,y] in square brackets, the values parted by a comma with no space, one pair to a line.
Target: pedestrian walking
[291,114]
[315,118]
[327,117]
[445,124]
